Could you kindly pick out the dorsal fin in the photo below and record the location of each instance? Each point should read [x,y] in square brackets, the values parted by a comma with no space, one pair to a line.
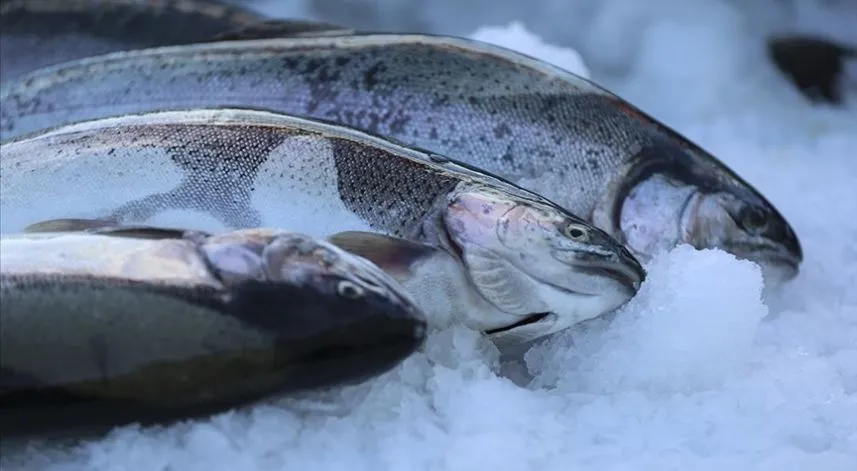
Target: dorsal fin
[392,254]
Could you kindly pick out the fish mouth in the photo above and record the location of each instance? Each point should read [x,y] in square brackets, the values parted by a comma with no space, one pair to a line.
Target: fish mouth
[771,259]
[531,319]
[627,272]
[630,280]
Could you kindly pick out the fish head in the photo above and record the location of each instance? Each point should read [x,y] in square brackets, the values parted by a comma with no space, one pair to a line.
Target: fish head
[746,226]
[721,209]
[310,263]
[334,309]
[531,258]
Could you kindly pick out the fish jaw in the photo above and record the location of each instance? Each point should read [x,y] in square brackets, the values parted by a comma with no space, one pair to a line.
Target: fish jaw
[533,259]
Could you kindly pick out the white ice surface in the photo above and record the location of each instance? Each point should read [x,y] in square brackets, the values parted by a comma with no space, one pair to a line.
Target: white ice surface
[698,373]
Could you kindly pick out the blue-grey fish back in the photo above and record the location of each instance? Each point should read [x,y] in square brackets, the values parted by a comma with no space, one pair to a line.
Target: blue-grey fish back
[39,33]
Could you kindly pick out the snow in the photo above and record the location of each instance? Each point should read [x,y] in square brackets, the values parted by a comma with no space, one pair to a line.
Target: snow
[703,370]
[516,36]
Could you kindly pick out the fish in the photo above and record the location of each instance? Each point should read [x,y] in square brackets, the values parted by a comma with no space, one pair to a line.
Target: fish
[530,261]
[119,325]
[40,33]
[435,279]
[525,120]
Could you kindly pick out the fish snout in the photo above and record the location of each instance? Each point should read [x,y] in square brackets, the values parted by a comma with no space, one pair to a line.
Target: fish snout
[614,261]
[368,331]
[630,267]
[792,247]
[626,278]
[331,329]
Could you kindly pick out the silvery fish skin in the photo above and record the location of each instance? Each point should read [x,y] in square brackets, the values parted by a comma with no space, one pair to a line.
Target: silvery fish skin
[157,324]
[39,33]
[537,125]
[224,169]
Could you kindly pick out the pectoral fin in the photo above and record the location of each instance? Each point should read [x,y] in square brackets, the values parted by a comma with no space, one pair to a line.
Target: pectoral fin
[394,255]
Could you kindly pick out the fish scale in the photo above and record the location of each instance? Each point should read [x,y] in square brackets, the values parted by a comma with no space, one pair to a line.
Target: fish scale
[408,191]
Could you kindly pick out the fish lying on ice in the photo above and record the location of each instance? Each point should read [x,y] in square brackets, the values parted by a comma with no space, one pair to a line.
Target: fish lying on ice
[537,125]
[145,324]
[530,261]
[39,33]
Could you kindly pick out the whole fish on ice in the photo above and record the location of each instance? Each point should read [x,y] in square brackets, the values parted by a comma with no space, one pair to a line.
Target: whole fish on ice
[534,268]
[537,125]
[119,325]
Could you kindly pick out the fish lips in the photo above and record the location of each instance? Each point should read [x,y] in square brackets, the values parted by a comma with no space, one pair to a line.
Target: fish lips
[778,264]
[528,320]
[624,269]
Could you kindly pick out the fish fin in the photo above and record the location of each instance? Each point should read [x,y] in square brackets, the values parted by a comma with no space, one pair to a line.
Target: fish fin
[145,232]
[107,227]
[393,255]
[69,225]
[282,28]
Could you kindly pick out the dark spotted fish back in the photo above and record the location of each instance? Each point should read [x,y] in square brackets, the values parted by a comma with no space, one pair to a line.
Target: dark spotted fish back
[40,33]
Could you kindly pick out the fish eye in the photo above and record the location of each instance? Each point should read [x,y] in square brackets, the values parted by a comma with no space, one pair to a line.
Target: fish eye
[753,219]
[349,290]
[576,232]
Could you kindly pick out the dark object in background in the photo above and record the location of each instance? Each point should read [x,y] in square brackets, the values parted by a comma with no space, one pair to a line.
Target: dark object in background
[815,65]
[54,31]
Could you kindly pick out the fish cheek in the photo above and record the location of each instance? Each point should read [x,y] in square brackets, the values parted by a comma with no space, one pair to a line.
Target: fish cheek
[653,215]
[501,283]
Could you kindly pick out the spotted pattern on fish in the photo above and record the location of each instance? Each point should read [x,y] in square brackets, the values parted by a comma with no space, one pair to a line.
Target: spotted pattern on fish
[398,195]
[389,191]
[212,157]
